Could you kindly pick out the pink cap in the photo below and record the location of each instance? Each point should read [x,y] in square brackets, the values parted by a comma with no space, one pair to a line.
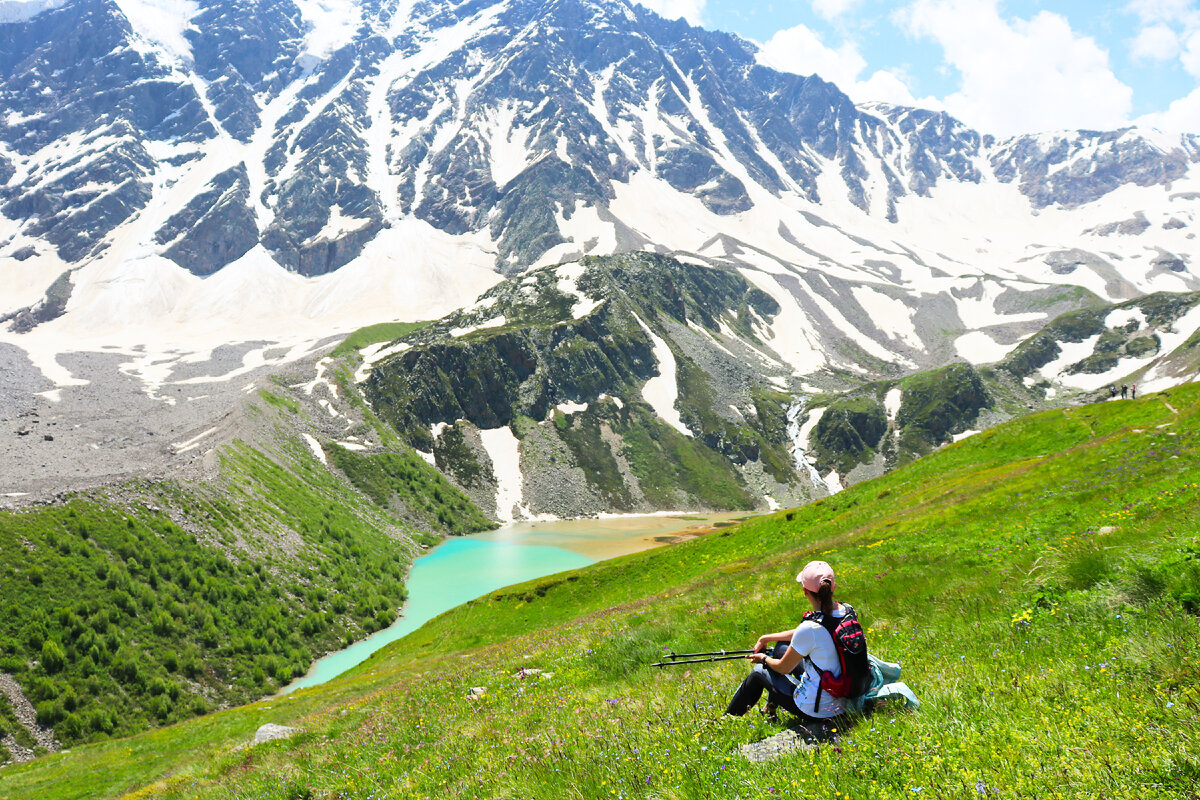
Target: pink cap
[814,574]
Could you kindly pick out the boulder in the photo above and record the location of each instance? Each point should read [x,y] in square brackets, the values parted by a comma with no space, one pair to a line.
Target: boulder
[270,732]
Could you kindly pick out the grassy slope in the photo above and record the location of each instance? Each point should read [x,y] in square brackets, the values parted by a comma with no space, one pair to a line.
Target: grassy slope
[1052,661]
[154,601]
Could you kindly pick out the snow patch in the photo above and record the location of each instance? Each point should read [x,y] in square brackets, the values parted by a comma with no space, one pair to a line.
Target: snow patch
[892,401]
[1120,317]
[979,348]
[315,446]
[339,225]
[508,145]
[571,408]
[789,332]
[1070,353]
[497,322]
[320,380]
[328,406]
[980,312]
[661,392]
[504,449]
[568,279]
[889,315]
[372,354]
[183,447]
[958,437]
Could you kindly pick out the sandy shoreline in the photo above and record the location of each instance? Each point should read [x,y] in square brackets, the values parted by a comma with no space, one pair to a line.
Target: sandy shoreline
[612,536]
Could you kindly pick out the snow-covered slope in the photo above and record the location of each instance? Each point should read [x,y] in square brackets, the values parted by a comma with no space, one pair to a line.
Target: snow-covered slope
[212,170]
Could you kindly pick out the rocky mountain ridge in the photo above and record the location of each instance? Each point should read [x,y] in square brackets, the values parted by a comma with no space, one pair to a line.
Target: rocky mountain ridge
[283,141]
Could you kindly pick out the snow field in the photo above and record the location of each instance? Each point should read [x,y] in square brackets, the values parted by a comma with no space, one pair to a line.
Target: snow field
[1070,353]
[508,144]
[1170,340]
[503,448]
[889,315]
[662,392]
[852,332]
[788,335]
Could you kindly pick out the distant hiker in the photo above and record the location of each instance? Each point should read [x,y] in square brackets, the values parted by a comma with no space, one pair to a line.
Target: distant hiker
[1133,392]
[825,661]
[1124,391]
[1112,391]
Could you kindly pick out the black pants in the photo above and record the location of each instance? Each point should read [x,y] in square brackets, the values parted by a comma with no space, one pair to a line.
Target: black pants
[778,689]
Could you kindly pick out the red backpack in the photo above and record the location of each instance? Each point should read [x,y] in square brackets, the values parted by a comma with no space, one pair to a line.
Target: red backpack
[851,645]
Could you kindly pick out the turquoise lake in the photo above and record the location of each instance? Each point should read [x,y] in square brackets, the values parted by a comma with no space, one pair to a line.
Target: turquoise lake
[463,568]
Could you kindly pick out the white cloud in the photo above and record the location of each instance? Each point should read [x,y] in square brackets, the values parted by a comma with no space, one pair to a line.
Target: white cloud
[1151,11]
[1156,42]
[1020,76]
[799,50]
[832,9]
[691,10]
[1189,56]
[1182,116]
[890,87]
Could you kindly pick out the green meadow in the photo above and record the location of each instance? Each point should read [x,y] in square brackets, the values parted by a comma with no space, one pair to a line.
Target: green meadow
[1039,583]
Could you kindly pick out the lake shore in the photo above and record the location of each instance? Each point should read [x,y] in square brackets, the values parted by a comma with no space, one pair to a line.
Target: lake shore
[611,536]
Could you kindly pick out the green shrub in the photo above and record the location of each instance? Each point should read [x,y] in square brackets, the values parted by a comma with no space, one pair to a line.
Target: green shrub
[53,656]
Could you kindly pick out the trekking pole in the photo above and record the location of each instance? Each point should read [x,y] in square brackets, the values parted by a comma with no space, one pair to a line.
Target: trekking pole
[673,656]
[700,660]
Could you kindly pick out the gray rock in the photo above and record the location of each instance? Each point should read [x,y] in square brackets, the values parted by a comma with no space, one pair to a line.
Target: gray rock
[270,732]
[771,748]
[215,228]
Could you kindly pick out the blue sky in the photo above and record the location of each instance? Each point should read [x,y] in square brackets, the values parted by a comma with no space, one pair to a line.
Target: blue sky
[1002,66]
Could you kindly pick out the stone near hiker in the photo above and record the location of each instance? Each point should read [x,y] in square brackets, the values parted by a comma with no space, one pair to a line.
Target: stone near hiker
[824,665]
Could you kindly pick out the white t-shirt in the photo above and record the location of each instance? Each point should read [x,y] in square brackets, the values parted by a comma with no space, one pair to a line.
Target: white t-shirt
[813,642]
